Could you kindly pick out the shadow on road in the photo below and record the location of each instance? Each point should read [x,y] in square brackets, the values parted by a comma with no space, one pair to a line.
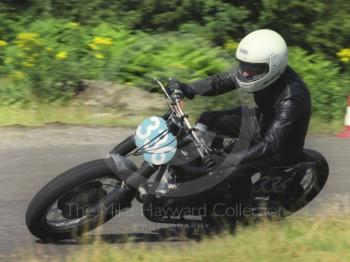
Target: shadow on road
[161,235]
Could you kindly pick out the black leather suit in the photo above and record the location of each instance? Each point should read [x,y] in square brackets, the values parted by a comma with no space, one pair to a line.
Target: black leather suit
[284,108]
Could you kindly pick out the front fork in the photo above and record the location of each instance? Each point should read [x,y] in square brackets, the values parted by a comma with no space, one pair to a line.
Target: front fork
[139,175]
[131,176]
[124,147]
[124,195]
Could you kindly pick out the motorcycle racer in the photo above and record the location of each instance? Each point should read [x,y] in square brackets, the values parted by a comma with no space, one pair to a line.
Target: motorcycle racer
[278,127]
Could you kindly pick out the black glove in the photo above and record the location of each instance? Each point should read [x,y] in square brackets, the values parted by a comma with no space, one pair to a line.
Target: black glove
[212,161]
[174,85]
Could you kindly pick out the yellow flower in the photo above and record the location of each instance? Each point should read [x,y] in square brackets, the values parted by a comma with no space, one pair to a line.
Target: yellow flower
[28,64]
[27,41]
[19,75]
[345,59]
[93,46]
[231,45]
[99,56]
[3,43]
[102,41]
[73,25]
[344,55]
[27,36]
[62,55]
[180,66]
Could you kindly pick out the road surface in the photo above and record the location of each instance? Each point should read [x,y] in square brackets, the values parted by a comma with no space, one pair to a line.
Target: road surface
[31,157]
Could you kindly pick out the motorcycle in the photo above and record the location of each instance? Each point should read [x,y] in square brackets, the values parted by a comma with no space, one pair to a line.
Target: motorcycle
[171,183]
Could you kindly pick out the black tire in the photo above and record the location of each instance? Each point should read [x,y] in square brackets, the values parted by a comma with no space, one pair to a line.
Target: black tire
[321,176]
[54,190]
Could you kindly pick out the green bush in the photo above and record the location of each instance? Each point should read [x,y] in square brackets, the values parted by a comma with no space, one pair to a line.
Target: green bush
[329,87]
[15,91]
[46,62]
[312,25]
[54,55]
[186,57]
[47,56]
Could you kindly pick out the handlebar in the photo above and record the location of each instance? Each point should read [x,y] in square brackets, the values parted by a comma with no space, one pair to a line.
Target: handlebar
[178,94]
[174,102]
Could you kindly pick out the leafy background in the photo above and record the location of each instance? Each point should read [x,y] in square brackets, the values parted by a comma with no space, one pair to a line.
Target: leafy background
[47,47]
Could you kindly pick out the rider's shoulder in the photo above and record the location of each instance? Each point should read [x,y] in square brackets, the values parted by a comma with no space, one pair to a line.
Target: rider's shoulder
[293,84]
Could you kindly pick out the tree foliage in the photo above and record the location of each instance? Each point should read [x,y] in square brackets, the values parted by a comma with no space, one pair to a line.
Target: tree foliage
[48,46]
[314,24]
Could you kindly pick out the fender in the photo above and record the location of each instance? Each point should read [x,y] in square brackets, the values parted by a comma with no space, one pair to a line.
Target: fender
[122,166]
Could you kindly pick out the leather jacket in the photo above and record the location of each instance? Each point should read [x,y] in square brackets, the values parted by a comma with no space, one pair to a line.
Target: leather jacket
[285,107]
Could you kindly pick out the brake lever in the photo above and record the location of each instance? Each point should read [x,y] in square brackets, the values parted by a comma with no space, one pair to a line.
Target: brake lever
[164,90]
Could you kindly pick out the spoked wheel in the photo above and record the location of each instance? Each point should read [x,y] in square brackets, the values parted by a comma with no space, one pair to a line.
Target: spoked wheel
[73,209]
[63,208]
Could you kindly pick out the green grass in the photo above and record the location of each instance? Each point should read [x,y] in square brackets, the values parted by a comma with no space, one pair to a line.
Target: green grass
[39,115]
[322,127]
[322,239]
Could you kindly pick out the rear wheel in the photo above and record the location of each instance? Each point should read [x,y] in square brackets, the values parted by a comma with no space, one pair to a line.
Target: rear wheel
[312,181]
[60,210]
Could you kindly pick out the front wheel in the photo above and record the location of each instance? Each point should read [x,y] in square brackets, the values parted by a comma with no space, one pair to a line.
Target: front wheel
[60,210]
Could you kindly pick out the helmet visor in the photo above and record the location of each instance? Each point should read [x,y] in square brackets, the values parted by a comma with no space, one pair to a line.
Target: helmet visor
[250,72]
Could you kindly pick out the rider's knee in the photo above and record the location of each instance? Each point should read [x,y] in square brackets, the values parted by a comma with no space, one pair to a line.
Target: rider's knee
[206,118]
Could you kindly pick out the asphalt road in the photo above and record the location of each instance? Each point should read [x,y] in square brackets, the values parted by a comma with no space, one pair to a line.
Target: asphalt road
[30,157]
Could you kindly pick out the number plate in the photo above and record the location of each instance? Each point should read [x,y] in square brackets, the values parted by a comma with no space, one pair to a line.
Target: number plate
[159,151]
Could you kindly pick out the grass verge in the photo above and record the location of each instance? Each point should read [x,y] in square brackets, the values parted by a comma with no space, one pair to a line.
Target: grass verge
[323,239]
[40,115]
[319,126]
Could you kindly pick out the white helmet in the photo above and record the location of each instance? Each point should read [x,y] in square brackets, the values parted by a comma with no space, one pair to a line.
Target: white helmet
[261,56]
